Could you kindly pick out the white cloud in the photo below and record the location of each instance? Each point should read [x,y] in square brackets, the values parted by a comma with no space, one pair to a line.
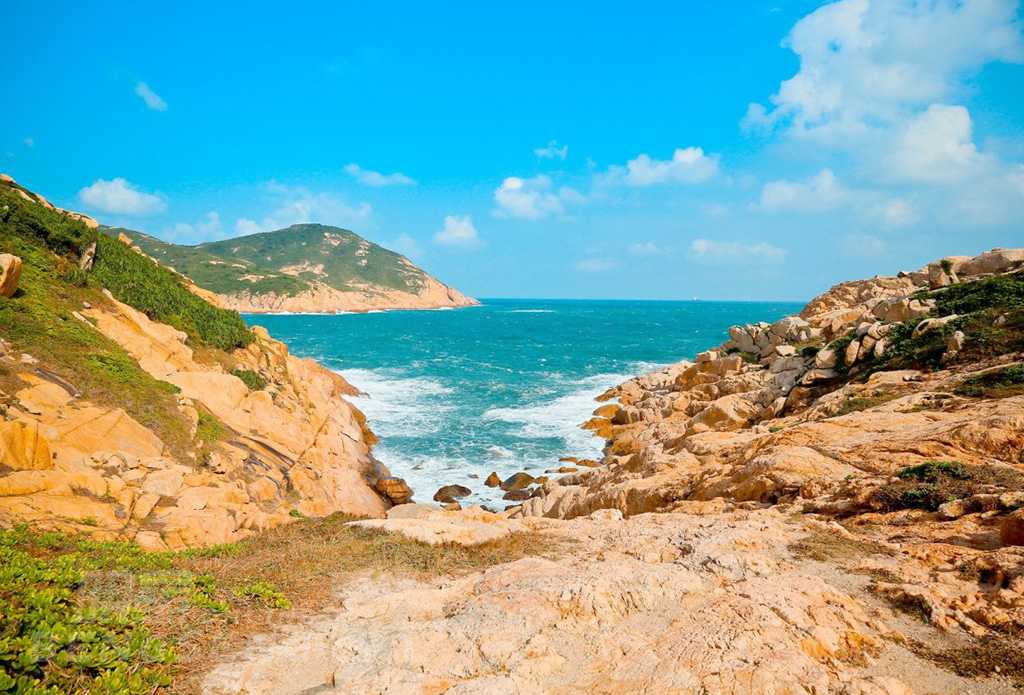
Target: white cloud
[735,251]
[594,265]
[406,246]
[377,179]
[689,165]
[245,227]
[209,228]
[300,205]
[531,199]
[897,213]
[936,147]
[865,62]
[30,142]
[552,151]
[645,249]
[820,193]
[458,231]
[120,197]
[151,98]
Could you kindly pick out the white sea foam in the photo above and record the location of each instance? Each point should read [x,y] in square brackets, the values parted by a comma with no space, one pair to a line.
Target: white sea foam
[396,405]
[561,417]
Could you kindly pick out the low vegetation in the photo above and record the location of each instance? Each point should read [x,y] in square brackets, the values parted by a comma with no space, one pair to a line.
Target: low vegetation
[1001,383]
[161,295]
[930,485]
[252,380]
[108,618]
[44,319]
[284,262]
[984,658]
[832,545]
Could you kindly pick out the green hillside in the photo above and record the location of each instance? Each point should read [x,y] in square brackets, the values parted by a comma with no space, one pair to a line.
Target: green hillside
[287,261]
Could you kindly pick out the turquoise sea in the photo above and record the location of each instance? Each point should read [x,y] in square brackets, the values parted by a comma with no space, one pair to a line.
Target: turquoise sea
[504,386]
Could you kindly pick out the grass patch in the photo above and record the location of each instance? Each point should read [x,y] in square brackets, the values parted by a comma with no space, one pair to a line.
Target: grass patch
[1002,383]
[252,380]
[929,485]
[174,612]
[857,402]
[986,658]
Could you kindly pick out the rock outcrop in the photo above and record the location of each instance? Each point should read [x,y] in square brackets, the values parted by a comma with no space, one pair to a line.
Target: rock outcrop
[295,447]
[10,274]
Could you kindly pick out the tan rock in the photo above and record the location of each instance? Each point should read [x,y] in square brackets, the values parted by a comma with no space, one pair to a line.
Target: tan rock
[22,447]
[10,274]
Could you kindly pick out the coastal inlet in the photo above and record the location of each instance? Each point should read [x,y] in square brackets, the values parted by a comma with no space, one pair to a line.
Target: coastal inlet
[454,395]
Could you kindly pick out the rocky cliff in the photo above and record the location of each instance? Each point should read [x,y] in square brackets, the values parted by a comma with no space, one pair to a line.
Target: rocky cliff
[306,268]
[123,426]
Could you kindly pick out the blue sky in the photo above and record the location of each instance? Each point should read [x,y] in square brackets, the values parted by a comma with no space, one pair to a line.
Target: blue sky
[742,150]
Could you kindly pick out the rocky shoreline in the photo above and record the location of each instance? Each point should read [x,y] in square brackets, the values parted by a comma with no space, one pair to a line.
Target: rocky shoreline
[832,503]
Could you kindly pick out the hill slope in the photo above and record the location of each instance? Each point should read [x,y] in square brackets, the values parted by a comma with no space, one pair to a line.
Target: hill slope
[121,389]
[303,268]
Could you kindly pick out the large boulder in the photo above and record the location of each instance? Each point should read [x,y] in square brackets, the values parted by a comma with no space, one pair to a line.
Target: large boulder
[10,274]
[23,448]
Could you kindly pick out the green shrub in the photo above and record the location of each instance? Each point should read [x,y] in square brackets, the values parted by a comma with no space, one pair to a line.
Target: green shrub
[251,379]
[210,429]
[933,483]
[1008,381]
[162,296]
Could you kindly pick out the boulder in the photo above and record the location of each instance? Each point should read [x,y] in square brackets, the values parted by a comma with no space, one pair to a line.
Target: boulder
[394,489]
[412,510]
[10,274]
[87,258]
[825,359]
[450,493]
[852,353]
[517,482]
[516,495]
[493,480]
[931,324]
[1012,530]
[23,448]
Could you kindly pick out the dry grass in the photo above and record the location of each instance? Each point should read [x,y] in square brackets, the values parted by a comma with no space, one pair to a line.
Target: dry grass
[987,657]
[828,545]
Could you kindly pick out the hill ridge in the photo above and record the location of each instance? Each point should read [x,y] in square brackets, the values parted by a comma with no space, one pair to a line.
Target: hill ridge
[303,268]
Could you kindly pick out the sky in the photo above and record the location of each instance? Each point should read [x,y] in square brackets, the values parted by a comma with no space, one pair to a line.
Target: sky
[661,150]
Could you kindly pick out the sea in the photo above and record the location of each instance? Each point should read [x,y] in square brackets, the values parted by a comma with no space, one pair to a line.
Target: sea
[455,394]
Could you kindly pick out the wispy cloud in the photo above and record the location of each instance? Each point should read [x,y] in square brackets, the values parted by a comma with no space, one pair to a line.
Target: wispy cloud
[120,197]
[708,249]
[552,151]
[300,205]
[377,179]
[593,265]
[645,249]
[30,142]
[151,98]
[406,246]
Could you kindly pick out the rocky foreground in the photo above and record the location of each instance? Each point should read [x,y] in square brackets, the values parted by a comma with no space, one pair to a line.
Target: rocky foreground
[828,504]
